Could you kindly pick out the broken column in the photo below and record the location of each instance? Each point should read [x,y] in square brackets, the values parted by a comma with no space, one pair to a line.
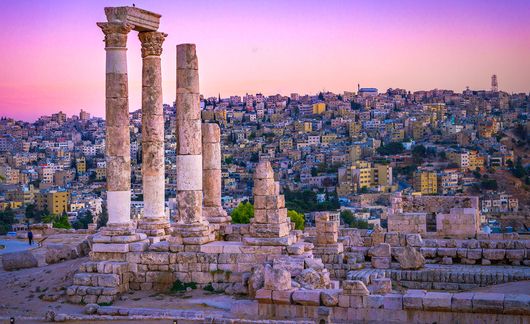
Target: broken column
[211,176]
[327,235]
[155,222]
[270,224]
[190,228]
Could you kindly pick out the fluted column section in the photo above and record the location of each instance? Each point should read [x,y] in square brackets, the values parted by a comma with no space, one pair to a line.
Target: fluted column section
[154,221]
[117,145]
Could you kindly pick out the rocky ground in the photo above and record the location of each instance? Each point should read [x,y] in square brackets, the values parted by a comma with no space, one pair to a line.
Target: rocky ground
[29,293]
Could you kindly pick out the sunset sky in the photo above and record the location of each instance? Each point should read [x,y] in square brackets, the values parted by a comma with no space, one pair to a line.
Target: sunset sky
[53,57]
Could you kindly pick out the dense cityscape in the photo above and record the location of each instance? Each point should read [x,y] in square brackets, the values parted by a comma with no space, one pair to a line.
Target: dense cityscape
[345,151]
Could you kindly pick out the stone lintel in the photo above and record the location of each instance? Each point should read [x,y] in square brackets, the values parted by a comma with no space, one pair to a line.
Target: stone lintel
[142,20]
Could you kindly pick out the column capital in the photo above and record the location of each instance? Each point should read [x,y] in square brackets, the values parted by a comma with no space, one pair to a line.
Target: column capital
[151,43]
[115,33]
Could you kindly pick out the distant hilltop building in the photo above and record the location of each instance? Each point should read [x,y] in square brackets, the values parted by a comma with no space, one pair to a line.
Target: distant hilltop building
[494,83]
[367,92]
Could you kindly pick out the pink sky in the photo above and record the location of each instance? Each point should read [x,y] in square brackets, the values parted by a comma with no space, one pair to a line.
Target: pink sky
[53,56]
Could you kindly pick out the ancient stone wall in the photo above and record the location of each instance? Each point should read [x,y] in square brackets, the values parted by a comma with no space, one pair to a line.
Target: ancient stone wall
[408,223]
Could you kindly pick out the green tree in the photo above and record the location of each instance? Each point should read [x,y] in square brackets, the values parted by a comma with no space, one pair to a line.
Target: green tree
[519,171]
[391,148]
[83,220]
[352,221]
[103,217]
[57,221]
[242,213]
[297,218]
[7,218]
[489,184]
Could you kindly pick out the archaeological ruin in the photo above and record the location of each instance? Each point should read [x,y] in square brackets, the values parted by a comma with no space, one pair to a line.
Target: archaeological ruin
[424,268]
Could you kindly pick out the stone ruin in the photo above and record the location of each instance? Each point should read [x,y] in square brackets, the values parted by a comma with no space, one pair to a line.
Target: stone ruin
[325,274]
[442,216]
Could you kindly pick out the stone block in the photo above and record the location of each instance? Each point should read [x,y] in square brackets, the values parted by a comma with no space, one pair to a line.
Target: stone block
[474,254]
[306,297]
[462,302]
[189,173]
[282,297]
[517,304]
[375,301]
[393,301]
[437,301]
[264,296]
[276,279]
[414,240]
[413,299]
[264,187]
[380,250]
[488,302]
[428,252]
[381,286]
[493,254]
[354,287]
[111,248]
[330,297]
[518,254]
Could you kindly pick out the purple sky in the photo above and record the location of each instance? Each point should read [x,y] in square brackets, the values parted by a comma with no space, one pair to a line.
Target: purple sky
[53,55]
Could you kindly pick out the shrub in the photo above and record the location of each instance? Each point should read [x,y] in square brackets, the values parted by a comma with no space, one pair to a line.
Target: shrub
[297,218]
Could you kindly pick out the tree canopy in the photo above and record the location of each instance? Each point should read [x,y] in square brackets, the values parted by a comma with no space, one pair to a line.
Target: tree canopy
[242,213]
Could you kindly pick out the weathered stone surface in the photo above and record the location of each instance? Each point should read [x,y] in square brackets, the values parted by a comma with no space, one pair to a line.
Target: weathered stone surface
[413,299]
[315,264]
[410,258]
[414,240]
[380,250]
[437,301]
[282,297]
[264,296]
[306,297]
[263,170]
[19,260]
[488,302]
[493,254]
[276,279]
[381,286]
[517,304]
[381,262]
[312,279]
[354,287]
[330,297]
[462,302]
[393,301]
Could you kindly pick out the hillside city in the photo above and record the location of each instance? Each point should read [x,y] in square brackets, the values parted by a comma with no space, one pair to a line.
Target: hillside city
[330,152]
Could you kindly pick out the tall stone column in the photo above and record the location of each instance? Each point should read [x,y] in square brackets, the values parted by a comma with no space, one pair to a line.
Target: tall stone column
[191,228]
[211,176]
[118,147]
[154,222]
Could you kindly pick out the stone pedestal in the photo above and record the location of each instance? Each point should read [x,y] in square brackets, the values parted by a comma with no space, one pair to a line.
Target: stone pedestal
[270,224]
[211,177]
[154,223]
[190,227]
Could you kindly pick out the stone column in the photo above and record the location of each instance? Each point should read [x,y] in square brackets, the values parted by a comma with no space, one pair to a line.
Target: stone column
[190,228]
[211,175]
[154,222]
[117,148]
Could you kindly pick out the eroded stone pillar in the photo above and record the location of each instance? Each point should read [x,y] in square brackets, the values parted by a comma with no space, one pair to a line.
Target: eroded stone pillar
[155,222]
[190,228]
[270,224]
[117,145]
[211,176]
